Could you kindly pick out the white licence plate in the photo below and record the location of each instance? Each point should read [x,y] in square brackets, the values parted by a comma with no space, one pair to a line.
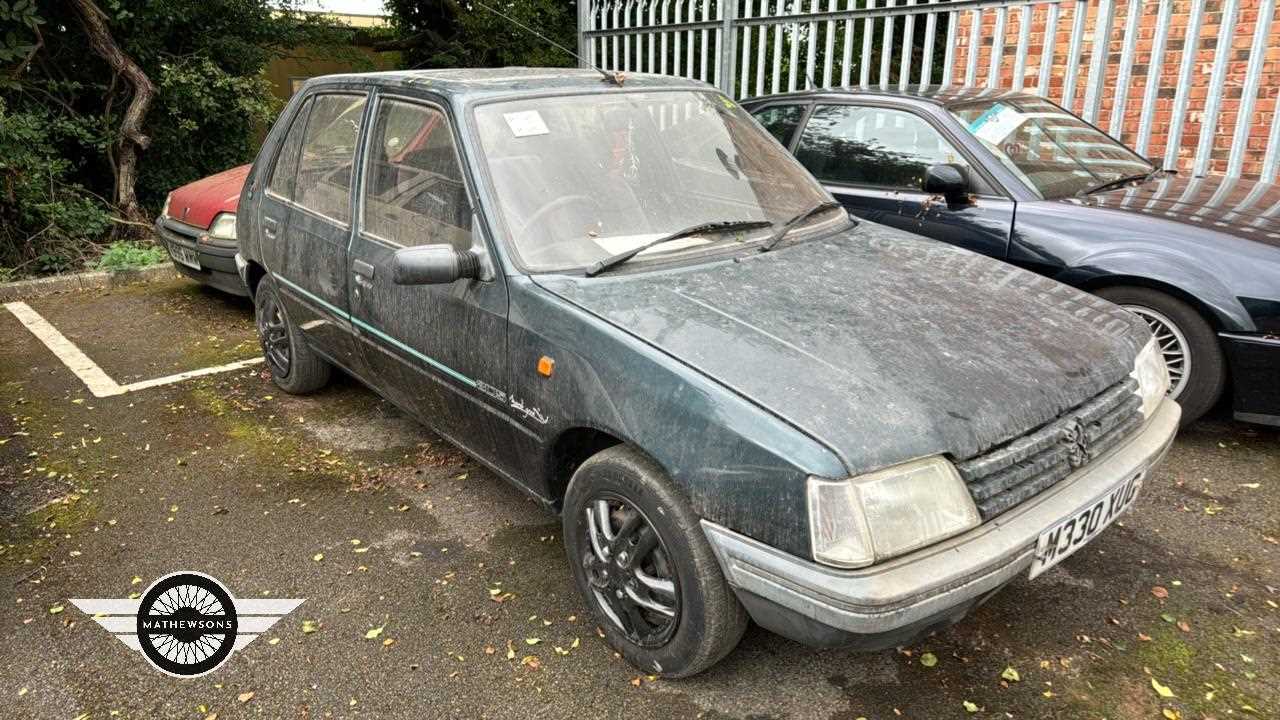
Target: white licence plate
[1077,529]
[184,255]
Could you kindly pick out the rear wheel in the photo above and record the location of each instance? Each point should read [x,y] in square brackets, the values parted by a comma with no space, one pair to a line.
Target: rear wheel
[294,366]
[1197,370]
[642,562]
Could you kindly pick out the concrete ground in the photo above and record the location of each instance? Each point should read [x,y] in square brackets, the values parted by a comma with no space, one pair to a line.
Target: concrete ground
[340,499]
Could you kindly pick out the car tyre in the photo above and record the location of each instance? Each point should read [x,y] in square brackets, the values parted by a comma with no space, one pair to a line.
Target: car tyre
[656,539]
[1187,341]
[295,367]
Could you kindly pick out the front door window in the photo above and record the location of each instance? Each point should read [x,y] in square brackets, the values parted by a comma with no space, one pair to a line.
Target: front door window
[875,146]
[414,193]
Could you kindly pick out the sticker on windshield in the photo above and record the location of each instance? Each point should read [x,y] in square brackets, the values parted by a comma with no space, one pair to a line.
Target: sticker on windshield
[524,124]
[997,123]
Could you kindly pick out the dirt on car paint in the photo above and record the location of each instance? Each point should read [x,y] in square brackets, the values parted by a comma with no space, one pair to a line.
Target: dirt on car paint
[467,577]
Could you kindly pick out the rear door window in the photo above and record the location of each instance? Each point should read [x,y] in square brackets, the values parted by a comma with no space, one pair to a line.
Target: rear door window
[285,173]
[328,155]
[413,191]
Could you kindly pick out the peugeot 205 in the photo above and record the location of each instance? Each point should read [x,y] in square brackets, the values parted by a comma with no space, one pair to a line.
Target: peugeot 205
[631,302]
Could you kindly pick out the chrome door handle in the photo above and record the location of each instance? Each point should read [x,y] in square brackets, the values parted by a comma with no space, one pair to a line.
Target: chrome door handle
[269,225]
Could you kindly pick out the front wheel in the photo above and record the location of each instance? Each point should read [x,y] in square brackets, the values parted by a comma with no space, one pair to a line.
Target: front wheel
[642,562]
[1197,370]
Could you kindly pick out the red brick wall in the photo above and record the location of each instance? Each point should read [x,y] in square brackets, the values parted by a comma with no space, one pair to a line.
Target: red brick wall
[1246,19]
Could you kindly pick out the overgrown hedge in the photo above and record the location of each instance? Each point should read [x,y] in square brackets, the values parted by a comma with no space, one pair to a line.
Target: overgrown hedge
[61,105]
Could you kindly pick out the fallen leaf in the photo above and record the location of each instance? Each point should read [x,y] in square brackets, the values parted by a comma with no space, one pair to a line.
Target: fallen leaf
[1161,690]
[1010,674]
[245,697]
[970,707]
[1184,626]
[373,632]
[532,641]
[310,626]
[318,557]
[1171,714]
[55,609]
[928,659]
[1160,592]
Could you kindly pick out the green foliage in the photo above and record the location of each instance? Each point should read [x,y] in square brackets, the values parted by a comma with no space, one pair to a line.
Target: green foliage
[60,132]
[15,46]
[45,218]
[450,33]
[127,255]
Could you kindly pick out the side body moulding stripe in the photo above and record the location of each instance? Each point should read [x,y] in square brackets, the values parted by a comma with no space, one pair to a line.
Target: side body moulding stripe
[343,314]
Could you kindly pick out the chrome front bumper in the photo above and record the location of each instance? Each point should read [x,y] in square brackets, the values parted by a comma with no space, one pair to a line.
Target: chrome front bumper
[891,602]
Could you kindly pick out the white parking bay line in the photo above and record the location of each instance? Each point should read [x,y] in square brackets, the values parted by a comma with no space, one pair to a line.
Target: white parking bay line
[98,382]
[144,384]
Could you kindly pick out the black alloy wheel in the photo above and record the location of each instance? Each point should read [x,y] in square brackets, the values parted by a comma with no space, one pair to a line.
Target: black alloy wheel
[644,566]
[295,367]
[629,570]
[274,335]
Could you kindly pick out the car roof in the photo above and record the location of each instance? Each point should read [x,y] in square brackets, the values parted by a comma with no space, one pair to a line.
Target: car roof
[942,96]
[475,83]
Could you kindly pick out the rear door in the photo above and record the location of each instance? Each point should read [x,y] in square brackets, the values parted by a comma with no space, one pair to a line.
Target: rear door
[439,350]
[873,160]
[311,269]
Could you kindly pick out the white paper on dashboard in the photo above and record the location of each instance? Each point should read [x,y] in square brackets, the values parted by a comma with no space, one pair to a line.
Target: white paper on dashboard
[622,243]
[526,123]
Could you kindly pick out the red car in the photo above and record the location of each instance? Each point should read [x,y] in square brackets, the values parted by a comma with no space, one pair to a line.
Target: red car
[198,227]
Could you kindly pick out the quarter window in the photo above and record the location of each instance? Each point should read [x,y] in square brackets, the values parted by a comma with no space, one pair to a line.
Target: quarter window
[328,155]
[414,193]
[853,145]
[780,120]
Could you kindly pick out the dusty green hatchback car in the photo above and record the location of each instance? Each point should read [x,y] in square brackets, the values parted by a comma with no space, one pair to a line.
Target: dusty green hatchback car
[631,302]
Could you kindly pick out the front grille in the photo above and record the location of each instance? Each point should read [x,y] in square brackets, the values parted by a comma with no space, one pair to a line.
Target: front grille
[1002,477]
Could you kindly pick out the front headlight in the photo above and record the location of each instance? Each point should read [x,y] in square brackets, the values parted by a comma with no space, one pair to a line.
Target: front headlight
[223,227]
[872,517]
[1152,376]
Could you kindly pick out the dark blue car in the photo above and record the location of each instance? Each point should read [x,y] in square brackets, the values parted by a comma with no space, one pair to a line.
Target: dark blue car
[631,303]
[1018,178]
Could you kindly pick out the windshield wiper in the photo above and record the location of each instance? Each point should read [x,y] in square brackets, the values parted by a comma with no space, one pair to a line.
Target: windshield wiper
[600,266]
[786,226]
[1120,182]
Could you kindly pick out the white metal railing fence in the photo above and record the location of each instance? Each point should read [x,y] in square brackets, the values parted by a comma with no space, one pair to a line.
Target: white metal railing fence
[756,47]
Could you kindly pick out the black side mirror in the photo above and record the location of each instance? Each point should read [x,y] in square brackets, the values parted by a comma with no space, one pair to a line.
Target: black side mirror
[433,265]
[948,180]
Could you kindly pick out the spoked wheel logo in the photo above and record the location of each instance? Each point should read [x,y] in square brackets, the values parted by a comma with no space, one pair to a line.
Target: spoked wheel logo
[187,624]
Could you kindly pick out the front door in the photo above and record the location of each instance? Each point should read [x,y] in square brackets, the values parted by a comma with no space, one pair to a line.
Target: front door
[873,160]
[437,350]
[313,215]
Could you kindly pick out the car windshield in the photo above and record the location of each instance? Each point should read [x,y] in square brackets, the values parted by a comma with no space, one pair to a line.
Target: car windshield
[581,178]
[1056,153]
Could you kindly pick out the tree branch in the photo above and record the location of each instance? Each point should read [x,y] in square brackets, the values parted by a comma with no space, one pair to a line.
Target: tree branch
[132,140]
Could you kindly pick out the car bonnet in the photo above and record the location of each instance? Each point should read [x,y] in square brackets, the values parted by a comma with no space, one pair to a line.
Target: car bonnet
[883,346]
